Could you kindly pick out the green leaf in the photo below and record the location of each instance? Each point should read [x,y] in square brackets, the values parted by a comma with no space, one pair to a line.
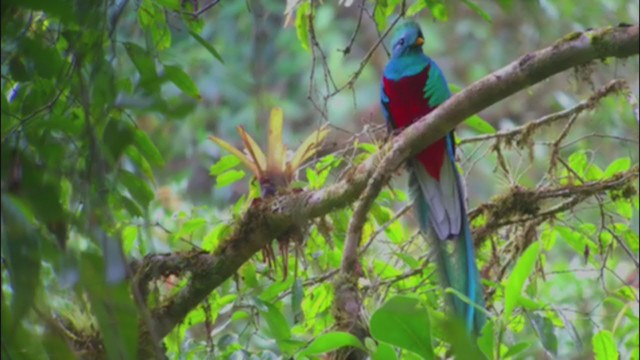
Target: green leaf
[330,342]
[384,352]
[129,237]
[404,322]
[617,166]
[248,271]
[207,46]
[229,177]
[190,227]
[478,124]
[21,247]
[486,340]
[145,65]
[416,7]
[579,161]
[522,270]
[302,25]
[462,342]
[280,329]
[368,147]
[225,163]
[138,188]
[152,19]
[212,239]
[127,204]
[516,349]
[118,134]
[182,81]
[113,307]
[475,7]
[147,148]
[438,10]
[604,347]
[545,331]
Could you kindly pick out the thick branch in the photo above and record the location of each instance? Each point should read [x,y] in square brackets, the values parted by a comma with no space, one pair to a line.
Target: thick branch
[264,222]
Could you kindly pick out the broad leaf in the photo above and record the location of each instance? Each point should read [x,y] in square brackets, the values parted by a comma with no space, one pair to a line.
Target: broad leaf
[604,347]
[180,78]
[229,177]
[225,163]
[404,322]
[330,342]
[522,270]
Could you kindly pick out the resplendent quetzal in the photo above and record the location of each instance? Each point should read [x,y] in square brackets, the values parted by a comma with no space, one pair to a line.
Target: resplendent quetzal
[412,86]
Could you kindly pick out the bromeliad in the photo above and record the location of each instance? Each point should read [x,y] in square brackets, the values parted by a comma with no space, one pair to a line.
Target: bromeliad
[412,86]
[276,170]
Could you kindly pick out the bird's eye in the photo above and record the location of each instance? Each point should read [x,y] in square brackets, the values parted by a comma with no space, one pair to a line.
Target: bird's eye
[401,41]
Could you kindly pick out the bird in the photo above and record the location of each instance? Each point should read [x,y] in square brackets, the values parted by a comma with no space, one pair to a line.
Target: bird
[412,86]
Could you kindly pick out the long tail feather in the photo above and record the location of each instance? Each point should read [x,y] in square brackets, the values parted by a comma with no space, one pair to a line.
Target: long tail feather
[450,238]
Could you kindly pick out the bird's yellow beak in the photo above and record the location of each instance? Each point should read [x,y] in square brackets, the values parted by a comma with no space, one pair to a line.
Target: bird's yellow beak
[419,41]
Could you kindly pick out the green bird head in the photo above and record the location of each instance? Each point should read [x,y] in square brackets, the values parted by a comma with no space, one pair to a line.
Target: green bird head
[406,39]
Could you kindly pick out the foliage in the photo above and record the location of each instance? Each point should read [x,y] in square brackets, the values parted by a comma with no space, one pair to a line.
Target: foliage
[106,107]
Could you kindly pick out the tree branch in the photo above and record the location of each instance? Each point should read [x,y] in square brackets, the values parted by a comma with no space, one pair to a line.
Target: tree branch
[265,221]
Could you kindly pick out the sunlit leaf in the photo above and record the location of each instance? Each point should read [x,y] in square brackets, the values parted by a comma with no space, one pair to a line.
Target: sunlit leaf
[522,270]
[438,10]
[330,342]
[604,347]
[225,163]
[229,177]
[129,237]
[302,24]
[478,124]
[617,166]
[213,238]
